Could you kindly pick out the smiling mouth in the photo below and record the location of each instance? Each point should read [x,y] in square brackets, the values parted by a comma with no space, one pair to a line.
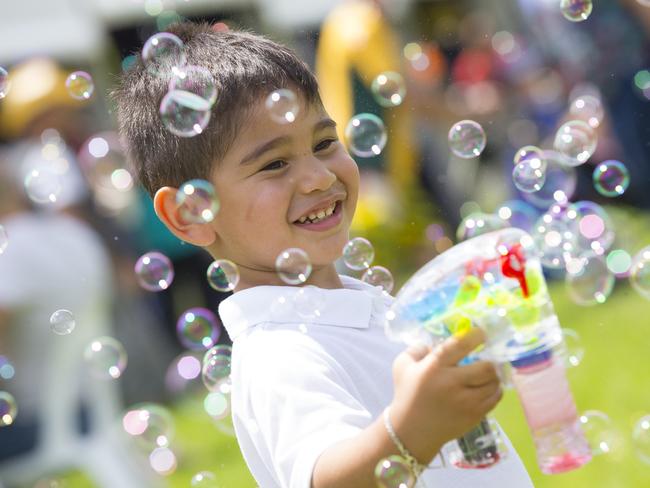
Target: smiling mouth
[320,216]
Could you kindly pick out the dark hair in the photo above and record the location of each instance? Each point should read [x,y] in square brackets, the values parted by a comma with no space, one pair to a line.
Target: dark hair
[245,67]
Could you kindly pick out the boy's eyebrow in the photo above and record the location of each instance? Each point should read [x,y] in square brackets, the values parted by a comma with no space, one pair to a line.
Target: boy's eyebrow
[279,141]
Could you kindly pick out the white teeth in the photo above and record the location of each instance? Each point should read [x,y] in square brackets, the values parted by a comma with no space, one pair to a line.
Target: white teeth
[318,216]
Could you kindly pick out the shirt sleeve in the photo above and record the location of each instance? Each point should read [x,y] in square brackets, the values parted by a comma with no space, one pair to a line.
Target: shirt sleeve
[301,402]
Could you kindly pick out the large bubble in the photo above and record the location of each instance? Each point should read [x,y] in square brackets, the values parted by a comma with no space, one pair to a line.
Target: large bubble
[184,113]
[466,139]
[366,135]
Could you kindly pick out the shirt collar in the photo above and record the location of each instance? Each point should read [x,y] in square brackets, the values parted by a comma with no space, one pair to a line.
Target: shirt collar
[350,306]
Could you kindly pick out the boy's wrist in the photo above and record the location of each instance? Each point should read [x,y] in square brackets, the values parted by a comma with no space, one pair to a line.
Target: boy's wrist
[422,448]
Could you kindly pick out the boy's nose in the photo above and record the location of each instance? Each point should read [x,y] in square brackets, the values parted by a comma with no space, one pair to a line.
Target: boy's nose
[315,176]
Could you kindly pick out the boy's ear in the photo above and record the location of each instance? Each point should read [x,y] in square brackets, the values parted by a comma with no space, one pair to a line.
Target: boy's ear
[164,203]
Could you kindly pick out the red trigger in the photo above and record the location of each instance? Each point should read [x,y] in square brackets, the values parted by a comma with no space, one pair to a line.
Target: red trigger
[513,265]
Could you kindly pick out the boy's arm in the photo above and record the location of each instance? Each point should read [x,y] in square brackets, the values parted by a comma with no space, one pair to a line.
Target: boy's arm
[435,401]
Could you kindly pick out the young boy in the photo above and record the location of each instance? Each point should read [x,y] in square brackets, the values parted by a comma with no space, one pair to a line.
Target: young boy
[314,402]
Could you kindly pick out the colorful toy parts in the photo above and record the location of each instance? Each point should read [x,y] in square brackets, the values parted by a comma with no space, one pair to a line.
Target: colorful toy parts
[495,281]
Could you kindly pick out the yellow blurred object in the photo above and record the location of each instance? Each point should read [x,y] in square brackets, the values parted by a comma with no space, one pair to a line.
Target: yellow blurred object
[37,85]
[357,36]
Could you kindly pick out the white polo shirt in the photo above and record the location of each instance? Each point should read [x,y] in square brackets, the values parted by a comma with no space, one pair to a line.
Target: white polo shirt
[304,381]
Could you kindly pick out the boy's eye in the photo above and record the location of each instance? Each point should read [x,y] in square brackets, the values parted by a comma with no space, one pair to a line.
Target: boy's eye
[279,164]
[322,145]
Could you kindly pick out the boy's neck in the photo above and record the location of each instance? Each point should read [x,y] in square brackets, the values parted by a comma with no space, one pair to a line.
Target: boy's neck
[322,277]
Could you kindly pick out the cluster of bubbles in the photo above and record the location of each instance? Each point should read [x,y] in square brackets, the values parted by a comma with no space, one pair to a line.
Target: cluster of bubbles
[186,108]
[358,254]
[151,426]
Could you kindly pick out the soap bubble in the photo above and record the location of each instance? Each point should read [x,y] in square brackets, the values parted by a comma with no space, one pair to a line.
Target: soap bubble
[204,479]
[588,109]
[571,348]
[358,253]
[466,139]
[394,472]
[161,49]
[519,214]
[379,276]
[478,223]
[197,202]
[577,141]
[103,162]
[576,10]
[223,275]
[154,271]
[7,370]
[283,106]
[163,461]
[611,178]
[554,239]
[217,404]
[184,114]
[150,424]
[366,135]
[640,272]
[308,302]
[43,185]
[4,239]
[198,328]
[389,89]
[62,322]
[8,408]
[4,82]
[599,432]
[529,153]
[196,80]
[293,266]
[106,358]
[591,225]
[591,282]
[529,176]
[216,366]
[80,85]
[641,438]
[559,185]
[619,262]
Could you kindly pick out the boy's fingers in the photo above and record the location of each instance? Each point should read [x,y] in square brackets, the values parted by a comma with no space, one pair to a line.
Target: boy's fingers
[411,355]
[478,373]
[457,347]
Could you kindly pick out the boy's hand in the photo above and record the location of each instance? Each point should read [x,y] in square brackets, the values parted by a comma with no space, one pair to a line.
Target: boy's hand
[435,399]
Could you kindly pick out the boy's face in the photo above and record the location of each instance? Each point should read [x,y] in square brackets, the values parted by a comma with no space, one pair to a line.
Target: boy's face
[272,179]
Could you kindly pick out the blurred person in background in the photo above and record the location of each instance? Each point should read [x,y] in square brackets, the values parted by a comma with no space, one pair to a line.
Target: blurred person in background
[54,260]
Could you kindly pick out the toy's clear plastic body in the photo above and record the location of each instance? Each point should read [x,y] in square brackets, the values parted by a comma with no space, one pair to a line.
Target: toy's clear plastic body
[495,281]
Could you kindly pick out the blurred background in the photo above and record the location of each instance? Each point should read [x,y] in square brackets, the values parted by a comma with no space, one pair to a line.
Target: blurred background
[101,381]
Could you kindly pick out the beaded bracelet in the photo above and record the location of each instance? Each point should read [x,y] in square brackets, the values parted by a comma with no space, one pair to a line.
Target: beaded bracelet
[413,463]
